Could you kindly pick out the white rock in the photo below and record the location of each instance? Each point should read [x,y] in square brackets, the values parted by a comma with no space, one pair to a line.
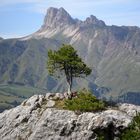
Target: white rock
[59,96]
[50,103]
[130,109]
[41,99]
[66,95]
[33,122]
[31,101]
[49,95]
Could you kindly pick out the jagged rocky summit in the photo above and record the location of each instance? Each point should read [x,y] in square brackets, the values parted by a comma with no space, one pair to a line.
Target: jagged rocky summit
[59,21]
[37,119]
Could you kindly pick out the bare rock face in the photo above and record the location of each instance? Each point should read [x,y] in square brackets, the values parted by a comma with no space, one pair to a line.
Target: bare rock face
[93,20]
[50,103]
[60,19]
[57,17]
[32,120]
[130,109]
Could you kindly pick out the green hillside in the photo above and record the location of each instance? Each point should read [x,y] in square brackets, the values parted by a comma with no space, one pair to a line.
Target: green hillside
[12,95]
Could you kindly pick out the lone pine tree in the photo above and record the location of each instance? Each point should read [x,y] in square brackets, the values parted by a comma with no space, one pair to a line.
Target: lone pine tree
[66,61]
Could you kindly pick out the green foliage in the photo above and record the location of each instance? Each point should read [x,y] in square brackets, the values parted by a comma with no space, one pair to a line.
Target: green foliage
[85,102]
[101,137]
[66,58]
[133,131]
[66,61]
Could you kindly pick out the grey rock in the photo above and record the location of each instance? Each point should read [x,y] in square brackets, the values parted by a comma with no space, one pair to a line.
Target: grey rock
[66,95]
[30,122]
[32,101]
[57,17]
[130,109]
[41,99]
[59,96]
[93,20]
[49,96]
[50,103]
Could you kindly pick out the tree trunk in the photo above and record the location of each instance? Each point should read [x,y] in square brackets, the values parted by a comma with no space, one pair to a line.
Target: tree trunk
[69,88]
[68,73]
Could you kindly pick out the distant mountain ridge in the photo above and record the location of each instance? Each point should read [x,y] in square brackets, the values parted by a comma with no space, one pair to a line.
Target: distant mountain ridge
[113,52]
[59,19]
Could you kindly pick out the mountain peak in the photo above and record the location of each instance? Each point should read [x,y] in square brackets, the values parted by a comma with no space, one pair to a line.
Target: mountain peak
[93,20]
[63,10]
[57,17]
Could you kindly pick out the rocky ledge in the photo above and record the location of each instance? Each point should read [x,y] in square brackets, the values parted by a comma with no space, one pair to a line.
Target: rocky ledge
[37,119]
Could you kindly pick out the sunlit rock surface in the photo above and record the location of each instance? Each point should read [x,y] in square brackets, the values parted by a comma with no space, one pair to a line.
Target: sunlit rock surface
[35,120]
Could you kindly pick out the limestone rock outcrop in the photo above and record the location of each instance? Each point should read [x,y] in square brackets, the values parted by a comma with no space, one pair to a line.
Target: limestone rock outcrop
[33,120]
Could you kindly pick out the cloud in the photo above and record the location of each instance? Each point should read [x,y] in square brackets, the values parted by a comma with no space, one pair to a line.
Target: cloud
[12,35]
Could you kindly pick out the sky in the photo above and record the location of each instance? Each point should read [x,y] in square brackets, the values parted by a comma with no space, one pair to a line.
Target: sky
[22,17]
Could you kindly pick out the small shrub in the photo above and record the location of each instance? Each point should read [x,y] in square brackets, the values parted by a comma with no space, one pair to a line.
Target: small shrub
[85,102]
[133,131]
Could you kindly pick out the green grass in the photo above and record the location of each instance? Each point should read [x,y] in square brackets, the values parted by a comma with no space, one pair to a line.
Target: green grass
[4,106]
[9,98]
[20,91]
[84,102]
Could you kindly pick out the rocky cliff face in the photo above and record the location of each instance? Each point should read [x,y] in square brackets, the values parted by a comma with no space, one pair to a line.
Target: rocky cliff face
[34,119]
[57,18]
[112,52]
[58,21]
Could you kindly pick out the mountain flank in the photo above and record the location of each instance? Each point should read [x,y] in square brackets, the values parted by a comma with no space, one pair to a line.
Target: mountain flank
[113,53]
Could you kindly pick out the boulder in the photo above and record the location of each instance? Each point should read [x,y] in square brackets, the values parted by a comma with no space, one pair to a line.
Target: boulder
[59,96]
[66,95]
[49,96]
[50,103]
[130,109]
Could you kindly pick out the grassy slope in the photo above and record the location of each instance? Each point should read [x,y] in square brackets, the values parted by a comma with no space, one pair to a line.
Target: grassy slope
[12,95]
